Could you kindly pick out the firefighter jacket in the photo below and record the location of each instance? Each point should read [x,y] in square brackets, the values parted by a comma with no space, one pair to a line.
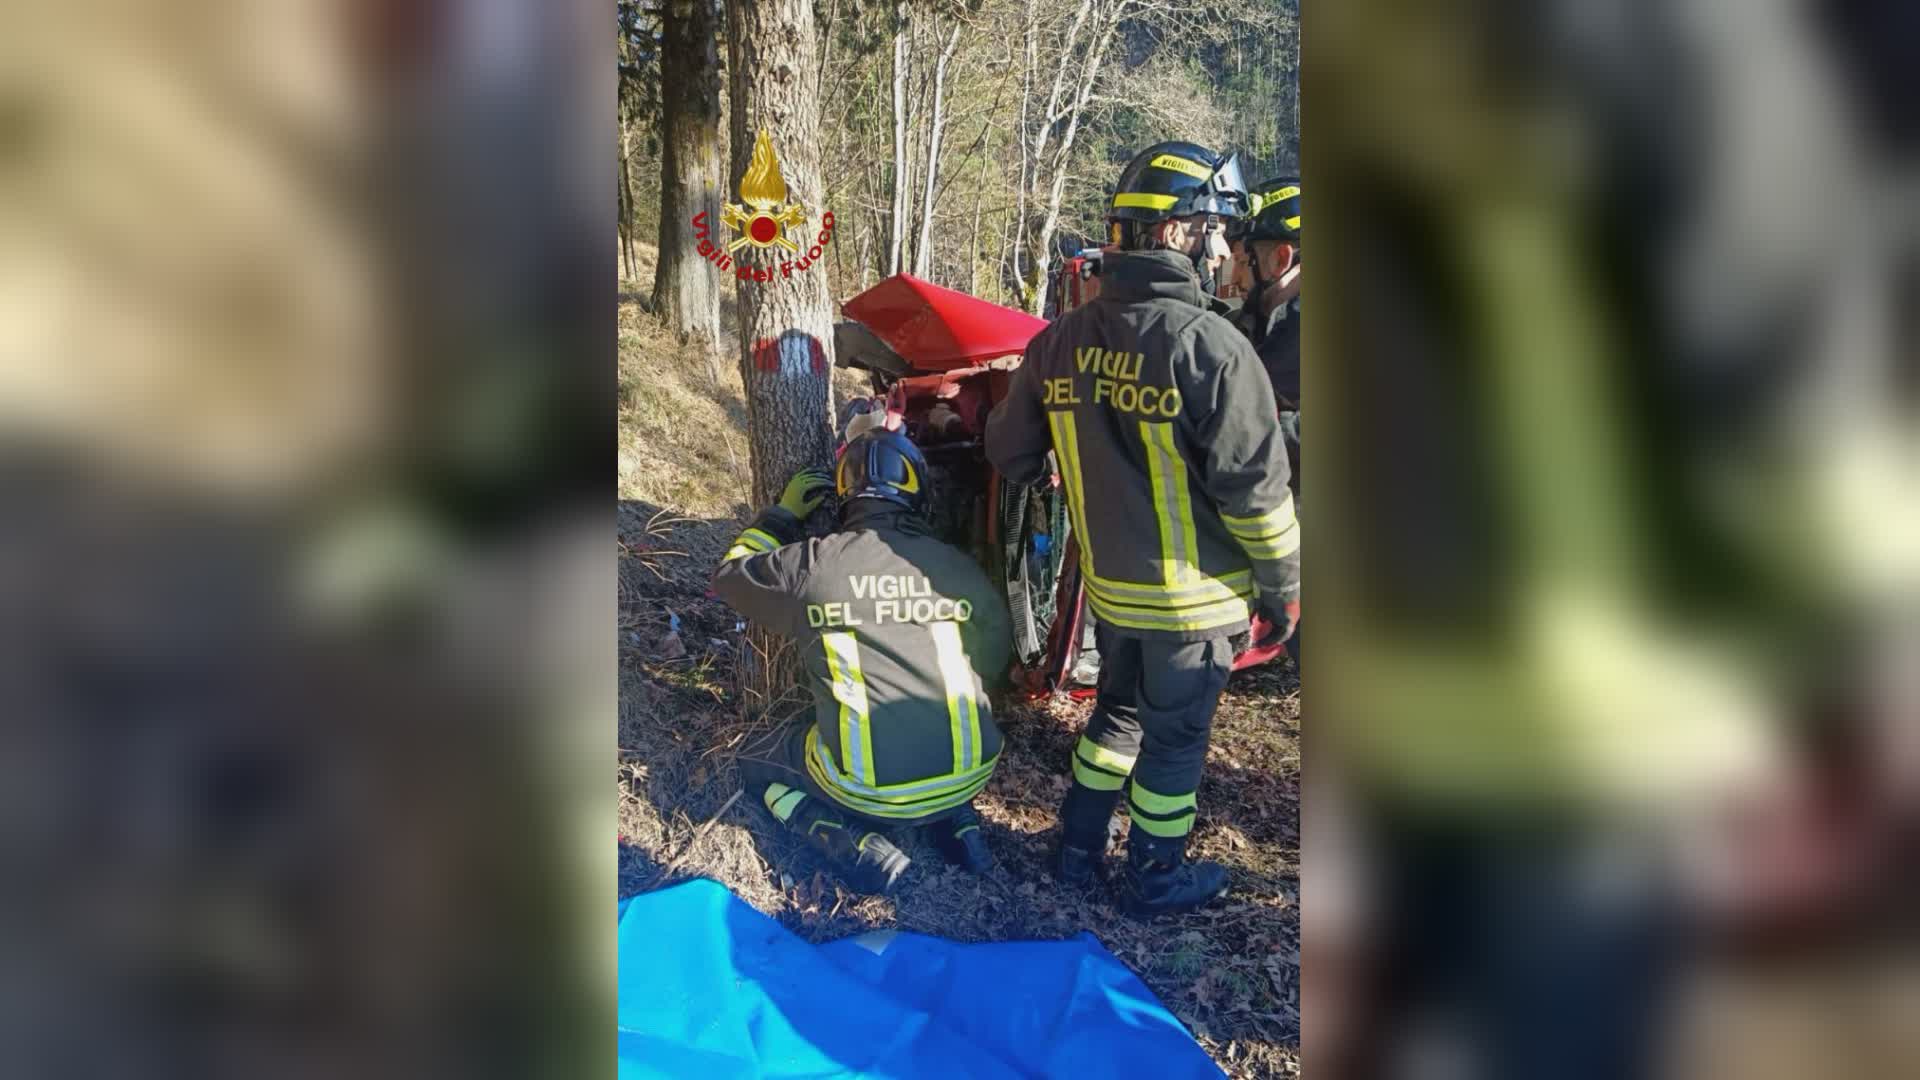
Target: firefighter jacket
[899,634]
[1277,337]
[1163,425]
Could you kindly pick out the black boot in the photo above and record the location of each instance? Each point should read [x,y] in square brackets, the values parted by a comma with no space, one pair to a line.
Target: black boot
[960,840]
[1085,818]
[869,861]
[1076,867]
[1158,880]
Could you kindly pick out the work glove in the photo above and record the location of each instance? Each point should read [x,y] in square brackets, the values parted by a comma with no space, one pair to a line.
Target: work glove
[806,491]
[1282,620]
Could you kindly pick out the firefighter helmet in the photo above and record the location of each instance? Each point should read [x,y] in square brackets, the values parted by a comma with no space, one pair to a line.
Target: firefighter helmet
[882,464]
[1274,213]
[1178,179]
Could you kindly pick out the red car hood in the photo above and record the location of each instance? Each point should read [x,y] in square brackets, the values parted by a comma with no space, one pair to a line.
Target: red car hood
[938,329]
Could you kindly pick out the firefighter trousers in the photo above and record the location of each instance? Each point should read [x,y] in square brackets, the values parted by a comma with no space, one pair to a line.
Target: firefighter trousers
[1148,735]
[779,758]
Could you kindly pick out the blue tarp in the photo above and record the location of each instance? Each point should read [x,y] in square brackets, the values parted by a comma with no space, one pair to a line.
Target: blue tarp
[711,988]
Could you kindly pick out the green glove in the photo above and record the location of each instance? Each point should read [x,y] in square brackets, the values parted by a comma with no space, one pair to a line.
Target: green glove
[806,491]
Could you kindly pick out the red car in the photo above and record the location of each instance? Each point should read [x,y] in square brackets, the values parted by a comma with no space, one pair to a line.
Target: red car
[940,360]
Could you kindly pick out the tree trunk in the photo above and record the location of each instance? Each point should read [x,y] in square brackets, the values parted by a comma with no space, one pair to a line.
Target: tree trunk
[921,252]
[1029,73]
[686,287]
[1101,34]
[627,265]
[897,235]
[973,244]
[786,324]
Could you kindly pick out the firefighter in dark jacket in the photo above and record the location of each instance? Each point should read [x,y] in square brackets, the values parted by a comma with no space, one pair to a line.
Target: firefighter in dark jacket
[1267,272]
[899,634]
[1162,424]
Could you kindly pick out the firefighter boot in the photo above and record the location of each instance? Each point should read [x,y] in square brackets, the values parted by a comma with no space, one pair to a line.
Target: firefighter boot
[1158,880]
[1075,867]
[1084,818]
[960,841]
[869,861]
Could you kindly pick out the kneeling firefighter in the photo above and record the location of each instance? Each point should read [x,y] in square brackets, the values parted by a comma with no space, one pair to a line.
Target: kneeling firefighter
[899,634]
[1162,422]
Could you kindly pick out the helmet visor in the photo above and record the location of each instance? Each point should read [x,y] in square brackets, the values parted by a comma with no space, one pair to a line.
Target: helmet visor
[1228,183]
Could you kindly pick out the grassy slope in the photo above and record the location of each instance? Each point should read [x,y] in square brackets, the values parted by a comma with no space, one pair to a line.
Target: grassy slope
[1231,973]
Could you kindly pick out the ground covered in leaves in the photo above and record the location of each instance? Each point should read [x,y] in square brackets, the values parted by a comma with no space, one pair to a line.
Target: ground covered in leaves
[1231,973]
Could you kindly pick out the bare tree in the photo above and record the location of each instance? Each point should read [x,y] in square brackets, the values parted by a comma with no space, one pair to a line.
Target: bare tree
[922,251]
[1047,145]
[686,287]
[897,236]
[1069,61]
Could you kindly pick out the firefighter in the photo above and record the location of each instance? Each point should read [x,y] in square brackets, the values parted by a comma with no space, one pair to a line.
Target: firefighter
[1162,423]
[1267,272]
[898,633]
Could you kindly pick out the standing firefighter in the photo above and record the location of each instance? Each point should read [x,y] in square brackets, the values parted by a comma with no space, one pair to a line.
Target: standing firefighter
[1267,270]
[1162,423]
[898,633]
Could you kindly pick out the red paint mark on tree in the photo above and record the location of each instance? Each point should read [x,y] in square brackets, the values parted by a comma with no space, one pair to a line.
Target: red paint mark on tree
[792,353]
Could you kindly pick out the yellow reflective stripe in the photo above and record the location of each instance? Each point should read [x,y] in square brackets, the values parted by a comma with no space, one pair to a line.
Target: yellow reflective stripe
[1263,526]
[1180,165]
[751,542]
[1173,502]
[1155,803]
[1179,826]
[1287,192]
[1105,758]
[1208,587]
[902,792]
[1278,547]
[850,690]
[1176,623]
[1293,223]
[1207,618]
[1156,813]
[928,797]
[919,810]
[1171,603]
[963,712]
[1066,447]
[1158,470]
[781,799]
[1150,202]
[1094,778]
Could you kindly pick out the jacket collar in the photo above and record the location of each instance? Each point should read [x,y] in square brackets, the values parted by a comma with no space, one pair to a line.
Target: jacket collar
[880,514]
[1133,276]
[1272,306]
[1280,314]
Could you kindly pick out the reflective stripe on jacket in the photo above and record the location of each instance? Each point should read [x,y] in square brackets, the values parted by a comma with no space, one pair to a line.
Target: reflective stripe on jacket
[900,635]
[1163,424]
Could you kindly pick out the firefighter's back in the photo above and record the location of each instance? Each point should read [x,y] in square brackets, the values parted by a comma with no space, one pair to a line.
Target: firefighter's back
[901,624]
